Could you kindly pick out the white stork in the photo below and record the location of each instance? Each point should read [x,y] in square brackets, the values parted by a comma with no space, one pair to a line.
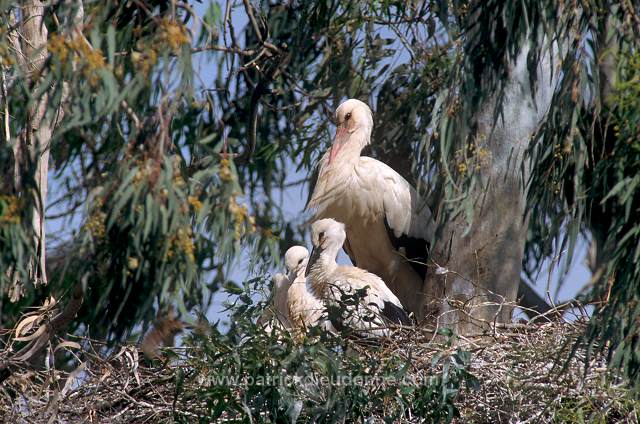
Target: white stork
[277,313]
[304,309]
[331,282]
[388,227]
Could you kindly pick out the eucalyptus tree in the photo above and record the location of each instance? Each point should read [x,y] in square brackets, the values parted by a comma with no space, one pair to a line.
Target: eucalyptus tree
[520,119]
[574,74]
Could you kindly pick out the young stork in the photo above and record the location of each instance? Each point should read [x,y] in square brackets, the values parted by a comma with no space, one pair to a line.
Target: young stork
[305,310]
[388,227]
[330,282]
[277,313]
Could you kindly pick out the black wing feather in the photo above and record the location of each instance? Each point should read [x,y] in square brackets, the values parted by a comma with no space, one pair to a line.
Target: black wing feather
[395,314]
[416,249]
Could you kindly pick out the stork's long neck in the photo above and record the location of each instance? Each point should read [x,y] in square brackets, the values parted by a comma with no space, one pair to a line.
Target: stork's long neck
[335,174]
[321,273]
[350,152]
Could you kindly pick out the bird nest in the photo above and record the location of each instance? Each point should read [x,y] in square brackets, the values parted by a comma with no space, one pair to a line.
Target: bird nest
[537,373]
[525,373]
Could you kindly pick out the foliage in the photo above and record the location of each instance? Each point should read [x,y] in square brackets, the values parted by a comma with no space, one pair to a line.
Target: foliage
[248,374]
[517,372]
[618,196]
[135,156]
[583,162]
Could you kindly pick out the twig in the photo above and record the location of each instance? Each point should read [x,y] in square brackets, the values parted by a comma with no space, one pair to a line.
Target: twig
[136,121]
[29,352]
[249,9]
[235,50]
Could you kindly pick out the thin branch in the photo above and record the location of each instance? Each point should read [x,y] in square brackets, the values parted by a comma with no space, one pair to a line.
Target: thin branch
[249,9]
[132,114]
[61,321]
[235,50]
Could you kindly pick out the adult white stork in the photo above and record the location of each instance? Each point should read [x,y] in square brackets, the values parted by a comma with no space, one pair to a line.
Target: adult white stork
[388,227]
[332,282]
[304,309]
[277,313]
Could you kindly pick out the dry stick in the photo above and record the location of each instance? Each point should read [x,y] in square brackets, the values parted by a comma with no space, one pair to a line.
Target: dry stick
[232,35]
[132,114]
[5,108]
[247,52]
[57,324]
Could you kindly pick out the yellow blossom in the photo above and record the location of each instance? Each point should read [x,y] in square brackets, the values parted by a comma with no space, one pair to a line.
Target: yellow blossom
[243,222]
[144,61]
[195,203]
[173,33]
[57,46]
[94,59]
[225,170]
[238,213]
[182,240]
[483,153]
[252,223]
[91,58]
[185,243]
[132,262]
[178,181]
[11,211]
[96,224]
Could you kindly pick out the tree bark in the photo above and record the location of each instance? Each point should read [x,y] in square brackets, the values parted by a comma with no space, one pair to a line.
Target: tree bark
[32,146]
[37,135]
[607,50]
[478,281]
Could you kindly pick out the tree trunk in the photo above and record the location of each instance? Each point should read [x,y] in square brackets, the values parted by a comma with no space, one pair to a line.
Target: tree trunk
[607,50]
[480,271]
[34,142]
[32,146]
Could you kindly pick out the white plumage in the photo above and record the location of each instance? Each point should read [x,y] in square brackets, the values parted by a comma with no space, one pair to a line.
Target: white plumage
[277,314]
[330,282]
[388,227]
[304,309]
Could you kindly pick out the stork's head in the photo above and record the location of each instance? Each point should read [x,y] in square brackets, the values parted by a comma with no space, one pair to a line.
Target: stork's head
[327,236]
[295,260]
[355,123]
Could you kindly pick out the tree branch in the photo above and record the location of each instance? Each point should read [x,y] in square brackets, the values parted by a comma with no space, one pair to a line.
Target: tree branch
[29,353]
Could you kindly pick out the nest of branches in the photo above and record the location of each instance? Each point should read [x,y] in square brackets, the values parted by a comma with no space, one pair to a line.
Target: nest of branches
[539,373]
[523,373]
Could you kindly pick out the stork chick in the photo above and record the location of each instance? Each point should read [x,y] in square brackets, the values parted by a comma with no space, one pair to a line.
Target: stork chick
[277,313]
[388,227]
[330,282]
[304,309]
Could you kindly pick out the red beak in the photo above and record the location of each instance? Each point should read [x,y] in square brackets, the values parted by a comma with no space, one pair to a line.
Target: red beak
[342,135]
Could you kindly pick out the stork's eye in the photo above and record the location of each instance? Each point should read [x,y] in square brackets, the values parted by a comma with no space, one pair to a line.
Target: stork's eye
[300,261]
[321,236]
[347,116]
